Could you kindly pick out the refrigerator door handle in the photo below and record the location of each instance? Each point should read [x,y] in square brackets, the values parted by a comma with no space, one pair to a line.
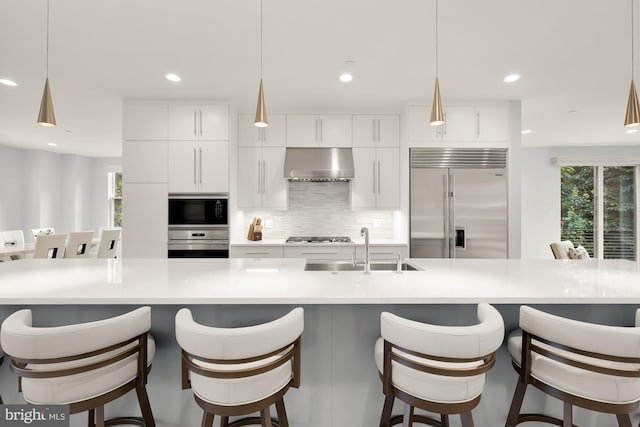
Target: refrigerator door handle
[446,215]
[452,225]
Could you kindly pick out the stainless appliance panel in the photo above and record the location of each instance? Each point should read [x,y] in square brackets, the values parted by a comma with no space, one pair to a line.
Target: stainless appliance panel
[428,213]
[199,234]
[479,213]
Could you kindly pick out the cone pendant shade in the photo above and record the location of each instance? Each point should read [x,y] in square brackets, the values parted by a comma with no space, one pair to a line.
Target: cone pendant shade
[261,110]
[437,117]
[632,118]
[46,117]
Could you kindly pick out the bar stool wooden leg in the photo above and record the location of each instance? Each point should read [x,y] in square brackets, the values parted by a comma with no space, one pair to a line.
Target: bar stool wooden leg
[467,419]
[386,411]
[224,422]
[99,413]
[624,420]
[265,417]
[282,413]
[90,418]
[444,420]
[567,415]
[207,419]
[145,406]
[516,404]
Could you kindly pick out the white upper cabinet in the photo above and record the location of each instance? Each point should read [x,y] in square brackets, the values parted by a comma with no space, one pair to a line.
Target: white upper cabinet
[492,123]
[463,124]
[144,121]
[144,161]
[201,166]
[261,182]
[273,135]
[376,131]
[325,130]
[190,122]
[376,183]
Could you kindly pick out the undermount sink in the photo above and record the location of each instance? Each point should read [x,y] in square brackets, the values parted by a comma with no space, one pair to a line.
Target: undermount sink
[348,266]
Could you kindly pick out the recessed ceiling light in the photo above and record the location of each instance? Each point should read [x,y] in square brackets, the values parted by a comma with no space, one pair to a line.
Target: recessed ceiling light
[526,131]
[8,82]
[631,130]
[511,78]
[346,77]
[173,77]
[52,144]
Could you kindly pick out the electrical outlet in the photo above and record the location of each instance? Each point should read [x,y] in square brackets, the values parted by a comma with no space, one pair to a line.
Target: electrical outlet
[268,223]
[377,223]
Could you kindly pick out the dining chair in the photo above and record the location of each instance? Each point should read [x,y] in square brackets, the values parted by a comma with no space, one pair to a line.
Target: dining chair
[108,242]
[42,231]
[78,244]
[592,366]
[436,368]
[49,246]
[11,239]
[85,365]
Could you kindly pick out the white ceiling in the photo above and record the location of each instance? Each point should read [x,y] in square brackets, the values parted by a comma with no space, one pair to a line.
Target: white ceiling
[571,54]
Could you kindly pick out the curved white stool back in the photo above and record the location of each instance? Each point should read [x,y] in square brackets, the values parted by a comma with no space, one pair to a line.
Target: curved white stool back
[78,244]
[84,365]
[239,371]
[561,249]
[12,239]
[440,369]
[583,364]
[108,244]
[49,246]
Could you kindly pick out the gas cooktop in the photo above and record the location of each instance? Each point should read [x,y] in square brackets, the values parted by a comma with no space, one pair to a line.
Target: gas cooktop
[319,239]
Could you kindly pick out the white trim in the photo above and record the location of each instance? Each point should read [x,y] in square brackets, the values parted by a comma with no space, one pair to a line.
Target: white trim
[595,161]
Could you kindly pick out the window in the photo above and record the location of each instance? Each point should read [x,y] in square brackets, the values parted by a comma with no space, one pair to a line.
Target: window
[598,209]
[115,199]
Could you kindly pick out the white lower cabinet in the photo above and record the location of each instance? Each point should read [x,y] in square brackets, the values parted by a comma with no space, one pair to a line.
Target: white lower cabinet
[383,252]
[261,182]
[320,252]
[257,251]
[376,183]
[144,220]
[198,167]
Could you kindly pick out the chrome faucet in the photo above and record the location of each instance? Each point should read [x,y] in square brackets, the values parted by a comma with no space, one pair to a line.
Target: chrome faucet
[364,231]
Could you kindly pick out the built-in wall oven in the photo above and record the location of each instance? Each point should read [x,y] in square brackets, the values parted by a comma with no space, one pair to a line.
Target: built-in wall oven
[198,226]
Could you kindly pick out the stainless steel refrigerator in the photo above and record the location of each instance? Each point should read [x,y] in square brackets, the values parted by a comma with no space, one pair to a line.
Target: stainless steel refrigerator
[458,203]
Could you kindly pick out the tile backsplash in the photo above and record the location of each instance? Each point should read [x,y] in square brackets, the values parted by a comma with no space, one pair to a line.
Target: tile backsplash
[322,209]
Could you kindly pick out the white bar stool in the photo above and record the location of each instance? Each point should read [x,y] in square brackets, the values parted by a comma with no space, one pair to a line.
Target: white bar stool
[49,246]
[440,369]
[592,366]
[240,371]
[78,244]
[84,365]
[108,245]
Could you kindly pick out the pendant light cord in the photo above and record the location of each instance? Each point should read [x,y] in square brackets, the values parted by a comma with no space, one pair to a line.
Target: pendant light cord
[632,37]
[47,39]
[260,39]
[437,39]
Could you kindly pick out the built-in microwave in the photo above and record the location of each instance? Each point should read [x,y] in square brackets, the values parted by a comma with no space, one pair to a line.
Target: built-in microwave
[198,210]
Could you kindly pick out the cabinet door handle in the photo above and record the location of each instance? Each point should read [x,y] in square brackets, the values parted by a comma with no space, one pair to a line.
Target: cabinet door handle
[373,122]
[194,165]
[477,124]
[378,130]
[195,119]
[200,165]
[374,177]
[264,176]
[316,130]
[320,130]
[378,176]
[259,177]
[200,122]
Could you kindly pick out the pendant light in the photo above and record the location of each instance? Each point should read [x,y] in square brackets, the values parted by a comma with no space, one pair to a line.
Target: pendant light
[437,116]
[632,118]
[47,117]
[261,110]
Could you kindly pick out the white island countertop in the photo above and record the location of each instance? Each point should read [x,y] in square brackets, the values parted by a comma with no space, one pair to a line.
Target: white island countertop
[284,281]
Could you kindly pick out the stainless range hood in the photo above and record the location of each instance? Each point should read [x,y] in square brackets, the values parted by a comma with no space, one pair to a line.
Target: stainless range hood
[318,164]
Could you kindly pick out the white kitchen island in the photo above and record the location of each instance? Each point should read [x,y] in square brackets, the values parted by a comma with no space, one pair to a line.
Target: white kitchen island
[340,385]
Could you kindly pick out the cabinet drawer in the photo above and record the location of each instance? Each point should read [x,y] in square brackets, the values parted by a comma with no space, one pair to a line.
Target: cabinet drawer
[382,253]
[256,252]
[320,252]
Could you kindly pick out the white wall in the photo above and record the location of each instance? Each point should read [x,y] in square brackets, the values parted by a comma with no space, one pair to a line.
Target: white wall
[541,190]
[47,189]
